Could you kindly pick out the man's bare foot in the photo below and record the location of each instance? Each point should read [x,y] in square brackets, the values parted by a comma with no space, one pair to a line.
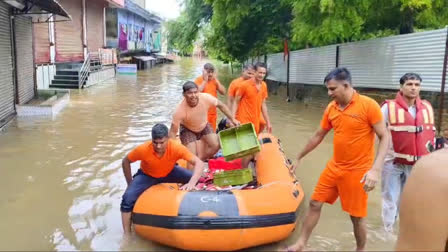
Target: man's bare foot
[126,241]
[294,248]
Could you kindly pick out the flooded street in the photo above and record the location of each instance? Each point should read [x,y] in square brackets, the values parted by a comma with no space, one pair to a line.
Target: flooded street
[61,177]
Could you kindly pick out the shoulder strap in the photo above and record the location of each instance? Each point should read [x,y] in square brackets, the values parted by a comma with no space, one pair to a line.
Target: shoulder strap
[430,110]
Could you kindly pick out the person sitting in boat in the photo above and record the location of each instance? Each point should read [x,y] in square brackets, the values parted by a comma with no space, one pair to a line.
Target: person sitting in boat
[158,165]
[191,117]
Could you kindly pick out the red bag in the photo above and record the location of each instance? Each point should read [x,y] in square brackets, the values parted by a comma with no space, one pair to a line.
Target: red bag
[222,164]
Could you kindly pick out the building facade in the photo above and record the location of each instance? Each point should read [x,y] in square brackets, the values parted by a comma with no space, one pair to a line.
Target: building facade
[63,44]
[133,28]
[17,76]
[64,41]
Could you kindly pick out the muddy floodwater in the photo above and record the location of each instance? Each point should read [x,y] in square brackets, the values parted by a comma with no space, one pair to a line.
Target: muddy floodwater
[61,177]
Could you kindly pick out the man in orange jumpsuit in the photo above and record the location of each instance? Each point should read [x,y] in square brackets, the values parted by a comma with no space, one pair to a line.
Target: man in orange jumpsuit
[353,170]
[246,74]
[209,83]
[250,100]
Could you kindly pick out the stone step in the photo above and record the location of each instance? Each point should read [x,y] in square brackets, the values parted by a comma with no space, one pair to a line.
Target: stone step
[63,86]
[67,72]
[69,82]
[72,66]
[66,77]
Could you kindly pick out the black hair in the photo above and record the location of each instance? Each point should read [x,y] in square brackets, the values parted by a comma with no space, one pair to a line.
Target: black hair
[159,131]
[339,74]
[260,64]
[248,66]
[189,85]
[222,125]
[209,66]
[409,76]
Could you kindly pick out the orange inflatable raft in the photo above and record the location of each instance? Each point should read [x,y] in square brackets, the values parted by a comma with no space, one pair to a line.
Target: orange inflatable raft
[224,220]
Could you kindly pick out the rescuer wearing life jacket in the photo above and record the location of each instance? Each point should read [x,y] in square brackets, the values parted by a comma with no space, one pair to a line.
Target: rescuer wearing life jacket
[410,121]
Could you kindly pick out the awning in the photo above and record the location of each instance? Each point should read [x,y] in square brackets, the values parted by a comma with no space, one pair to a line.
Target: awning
[52,6]
[135,8]
[38,7]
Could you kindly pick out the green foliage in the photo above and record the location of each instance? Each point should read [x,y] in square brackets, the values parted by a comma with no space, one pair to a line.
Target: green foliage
[243,28]
[177,39]
[234,30]
[323,22]
[183,31]
[434,16]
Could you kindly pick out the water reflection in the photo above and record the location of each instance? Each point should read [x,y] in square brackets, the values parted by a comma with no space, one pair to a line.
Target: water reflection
[62,181]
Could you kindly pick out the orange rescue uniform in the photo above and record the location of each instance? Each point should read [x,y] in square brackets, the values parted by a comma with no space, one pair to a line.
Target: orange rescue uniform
[249,109]
[353,153]
[233,87]
[210,88]
[154,165]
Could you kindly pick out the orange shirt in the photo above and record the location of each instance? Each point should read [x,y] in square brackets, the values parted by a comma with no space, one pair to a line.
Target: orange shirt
[249,109]
[210,88]
[194,118]
[155,166]
[234,86]
[353,142]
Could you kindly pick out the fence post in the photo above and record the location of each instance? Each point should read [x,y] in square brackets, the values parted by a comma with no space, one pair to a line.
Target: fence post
[337,56]
[288,98]
[442,89]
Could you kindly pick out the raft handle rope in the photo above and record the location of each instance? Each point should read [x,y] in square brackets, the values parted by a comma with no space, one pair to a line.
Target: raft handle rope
[288,162]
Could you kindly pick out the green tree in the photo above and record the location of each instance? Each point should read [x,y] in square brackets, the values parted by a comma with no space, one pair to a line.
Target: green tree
[242,28]
[183,31]
[234,30]
[323,22]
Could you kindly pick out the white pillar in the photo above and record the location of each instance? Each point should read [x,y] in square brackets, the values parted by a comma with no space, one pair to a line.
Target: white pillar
[52,39]
[104,28]
[84,28]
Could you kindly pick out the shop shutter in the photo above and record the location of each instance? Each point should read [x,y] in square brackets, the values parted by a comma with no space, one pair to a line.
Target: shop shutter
[41,43]
[95,25]
[23,33]
[69,46]
[6,81]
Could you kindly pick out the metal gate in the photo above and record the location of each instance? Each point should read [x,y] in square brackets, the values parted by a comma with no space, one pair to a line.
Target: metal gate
[41,43]
[6,72]
[23,38]
[95,25]
[69,45]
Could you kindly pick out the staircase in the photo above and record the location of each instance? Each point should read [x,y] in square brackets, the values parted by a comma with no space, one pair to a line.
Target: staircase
[75,75]
[66,77]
